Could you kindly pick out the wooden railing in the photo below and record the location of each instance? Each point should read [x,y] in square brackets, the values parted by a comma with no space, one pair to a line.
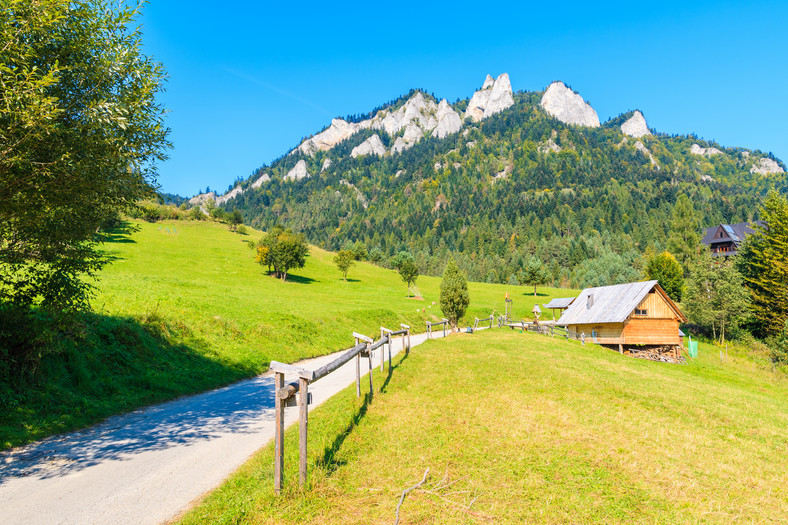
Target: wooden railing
[297,392]
[477,321]
[444,322]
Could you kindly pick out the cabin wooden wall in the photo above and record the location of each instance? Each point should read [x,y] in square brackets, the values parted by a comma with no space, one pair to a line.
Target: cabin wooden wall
[637,331]
[656,307]
[607,334]
[645,331]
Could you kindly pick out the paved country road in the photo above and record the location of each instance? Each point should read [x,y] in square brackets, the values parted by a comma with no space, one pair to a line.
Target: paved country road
[149,465]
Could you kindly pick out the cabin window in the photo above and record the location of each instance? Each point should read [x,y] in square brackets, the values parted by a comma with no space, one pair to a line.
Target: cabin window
[641,311]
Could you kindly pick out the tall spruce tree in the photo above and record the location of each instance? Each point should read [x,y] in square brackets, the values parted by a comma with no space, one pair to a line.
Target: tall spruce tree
[684,240]
[763,262]
[454,297]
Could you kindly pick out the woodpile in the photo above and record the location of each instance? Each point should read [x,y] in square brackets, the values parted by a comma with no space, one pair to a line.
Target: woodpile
[663,354]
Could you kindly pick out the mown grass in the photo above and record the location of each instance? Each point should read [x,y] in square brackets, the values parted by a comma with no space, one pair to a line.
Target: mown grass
[183,307]
[524,428]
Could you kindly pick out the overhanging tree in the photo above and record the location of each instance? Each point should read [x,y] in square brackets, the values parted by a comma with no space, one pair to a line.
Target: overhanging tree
[80,132]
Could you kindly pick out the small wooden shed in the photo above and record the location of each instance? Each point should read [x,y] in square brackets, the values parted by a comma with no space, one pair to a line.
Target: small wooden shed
[624,315]
[560,304]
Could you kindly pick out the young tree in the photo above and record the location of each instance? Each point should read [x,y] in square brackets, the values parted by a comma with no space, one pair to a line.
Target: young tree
[454,298]
[534,273]
[80,132]
[763,262]
[406,266]
[684,239]
[667,270]
[235,218]
[715,297]
[344,259]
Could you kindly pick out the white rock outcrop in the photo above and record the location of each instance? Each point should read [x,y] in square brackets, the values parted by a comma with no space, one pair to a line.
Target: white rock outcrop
[564,104]
[645,151]
[492,98]
[635,126]
[259,182]
[233,193]
[708,152]
[449,121]
[548,147]
[338,131]
[298,172]
[372,146]
[766,166]
[202,198]
[326,165]
[359,196]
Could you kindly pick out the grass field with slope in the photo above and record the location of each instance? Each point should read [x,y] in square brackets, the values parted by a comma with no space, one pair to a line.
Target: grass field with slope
[183,307]
[521,428]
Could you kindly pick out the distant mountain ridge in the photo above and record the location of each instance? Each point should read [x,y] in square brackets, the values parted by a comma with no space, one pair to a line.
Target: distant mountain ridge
[416,163]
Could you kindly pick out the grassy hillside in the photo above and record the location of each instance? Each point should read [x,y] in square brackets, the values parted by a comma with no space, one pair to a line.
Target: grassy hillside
[524,428]
[183,307]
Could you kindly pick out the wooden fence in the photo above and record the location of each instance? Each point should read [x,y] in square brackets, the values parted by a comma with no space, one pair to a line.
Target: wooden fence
[477,321]
[444,322]
[297,392]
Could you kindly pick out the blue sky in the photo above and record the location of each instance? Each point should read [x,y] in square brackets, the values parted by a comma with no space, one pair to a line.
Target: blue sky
[248,80]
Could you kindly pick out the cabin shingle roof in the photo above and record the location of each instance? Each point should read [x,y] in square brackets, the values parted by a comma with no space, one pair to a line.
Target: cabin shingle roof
[609,304]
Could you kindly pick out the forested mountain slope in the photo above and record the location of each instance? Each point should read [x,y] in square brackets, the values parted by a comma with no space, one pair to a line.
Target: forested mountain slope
[502,176]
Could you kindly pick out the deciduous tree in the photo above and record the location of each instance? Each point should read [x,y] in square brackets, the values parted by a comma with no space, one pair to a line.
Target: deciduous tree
[344,259]
[667,270]
[80,131]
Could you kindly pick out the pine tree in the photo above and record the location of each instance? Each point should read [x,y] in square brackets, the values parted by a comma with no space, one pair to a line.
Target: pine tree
[454,297]
[763,262]
[534,273]
[684,239]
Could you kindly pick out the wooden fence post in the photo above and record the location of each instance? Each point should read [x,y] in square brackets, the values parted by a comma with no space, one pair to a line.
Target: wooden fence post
[407,349]
[358,371]
[369,353]
[382,349]
[279,437]
[445,324]
[303,399]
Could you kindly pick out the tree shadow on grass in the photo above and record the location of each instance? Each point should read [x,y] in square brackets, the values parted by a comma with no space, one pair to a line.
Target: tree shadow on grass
[329,459]
[300,279]
[119,365]
[120,233]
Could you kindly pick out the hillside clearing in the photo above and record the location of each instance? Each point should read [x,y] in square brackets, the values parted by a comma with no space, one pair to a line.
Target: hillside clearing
[183,308]
[520,428]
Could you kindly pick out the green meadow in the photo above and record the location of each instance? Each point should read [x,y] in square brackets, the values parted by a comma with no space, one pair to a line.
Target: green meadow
[524,428]
[183,307]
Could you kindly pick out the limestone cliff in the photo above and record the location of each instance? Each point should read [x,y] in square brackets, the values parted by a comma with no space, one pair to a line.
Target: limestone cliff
[564,104]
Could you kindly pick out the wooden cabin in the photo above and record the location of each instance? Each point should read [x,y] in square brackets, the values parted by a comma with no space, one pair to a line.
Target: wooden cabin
[625,315]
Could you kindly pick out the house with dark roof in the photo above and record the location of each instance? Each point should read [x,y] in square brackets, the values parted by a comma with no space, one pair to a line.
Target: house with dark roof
[724,240]
[631,316]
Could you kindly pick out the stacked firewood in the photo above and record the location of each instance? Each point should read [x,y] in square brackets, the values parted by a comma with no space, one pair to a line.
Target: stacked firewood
[663,354]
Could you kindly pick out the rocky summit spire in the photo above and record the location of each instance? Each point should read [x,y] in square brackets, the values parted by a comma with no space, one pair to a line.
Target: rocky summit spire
[564,104]
[635,126]
[492,98]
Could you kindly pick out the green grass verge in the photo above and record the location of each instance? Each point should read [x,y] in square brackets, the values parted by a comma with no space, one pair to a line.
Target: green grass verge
[183,308]
[524,428]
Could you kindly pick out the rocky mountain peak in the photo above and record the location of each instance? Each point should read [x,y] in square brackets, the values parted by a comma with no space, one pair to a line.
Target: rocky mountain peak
[635,126]
[766,166]
[565,105]
[492,98]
